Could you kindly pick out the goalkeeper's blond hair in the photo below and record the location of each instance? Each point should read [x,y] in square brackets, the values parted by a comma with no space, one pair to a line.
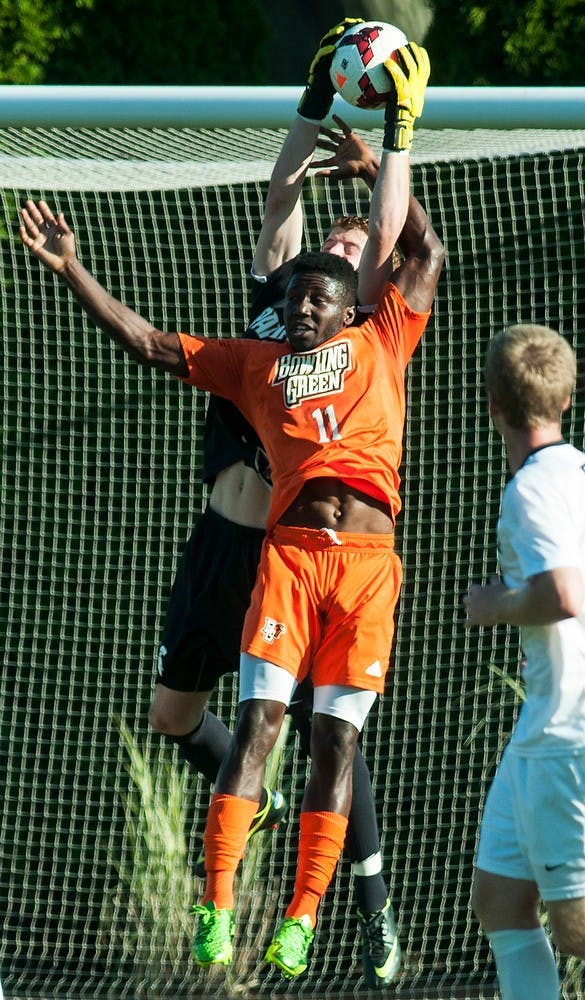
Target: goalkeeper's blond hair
[360,222]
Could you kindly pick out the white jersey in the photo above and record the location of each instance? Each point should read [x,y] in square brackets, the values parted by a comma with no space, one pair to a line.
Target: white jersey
[542,527]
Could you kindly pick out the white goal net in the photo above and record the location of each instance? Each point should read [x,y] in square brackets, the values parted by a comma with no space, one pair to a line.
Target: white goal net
[100,488]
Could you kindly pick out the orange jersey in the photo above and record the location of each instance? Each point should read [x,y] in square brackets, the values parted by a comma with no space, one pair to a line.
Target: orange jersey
[335,411]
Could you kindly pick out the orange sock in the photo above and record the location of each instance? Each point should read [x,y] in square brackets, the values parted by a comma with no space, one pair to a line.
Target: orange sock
[224,841]
[320,844]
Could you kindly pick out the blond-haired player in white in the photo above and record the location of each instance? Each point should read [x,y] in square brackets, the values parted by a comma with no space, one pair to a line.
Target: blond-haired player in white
[532,841]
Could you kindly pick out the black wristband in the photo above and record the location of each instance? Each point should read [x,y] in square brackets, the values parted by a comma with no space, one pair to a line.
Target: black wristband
[314,106]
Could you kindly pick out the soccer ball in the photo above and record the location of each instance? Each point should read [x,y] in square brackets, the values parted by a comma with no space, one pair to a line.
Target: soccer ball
[357,70]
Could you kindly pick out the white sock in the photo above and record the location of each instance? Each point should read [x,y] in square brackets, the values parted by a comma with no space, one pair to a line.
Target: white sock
[526,965]
[369,866]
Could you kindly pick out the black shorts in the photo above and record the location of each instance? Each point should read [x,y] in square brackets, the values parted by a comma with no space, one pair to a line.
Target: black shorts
[208,603]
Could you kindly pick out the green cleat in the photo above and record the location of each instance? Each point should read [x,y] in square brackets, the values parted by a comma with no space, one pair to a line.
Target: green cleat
[291,945]
[381,953]
[212,941]
[266,818]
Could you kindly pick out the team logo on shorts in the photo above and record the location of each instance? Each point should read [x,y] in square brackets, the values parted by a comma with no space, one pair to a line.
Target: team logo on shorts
[316,373]
[272,630]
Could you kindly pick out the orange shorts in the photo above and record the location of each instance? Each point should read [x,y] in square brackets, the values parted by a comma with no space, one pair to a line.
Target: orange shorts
[324,609]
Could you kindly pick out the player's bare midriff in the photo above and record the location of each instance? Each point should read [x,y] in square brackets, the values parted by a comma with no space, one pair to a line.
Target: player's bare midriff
[239,495]
[331,503]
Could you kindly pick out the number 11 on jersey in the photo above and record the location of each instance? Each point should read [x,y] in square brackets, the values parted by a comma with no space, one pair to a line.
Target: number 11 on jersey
[327,424]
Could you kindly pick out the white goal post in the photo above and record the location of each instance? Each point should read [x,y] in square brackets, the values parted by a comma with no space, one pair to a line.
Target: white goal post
[273,107]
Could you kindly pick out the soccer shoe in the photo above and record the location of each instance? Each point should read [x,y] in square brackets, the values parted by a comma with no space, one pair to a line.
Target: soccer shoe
[212,941]
[266,818]
[291,945]
[380,946]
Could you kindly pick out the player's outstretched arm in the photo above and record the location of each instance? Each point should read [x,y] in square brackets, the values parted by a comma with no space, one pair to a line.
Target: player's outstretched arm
[387,216]
[391,207]
[424,255]
[351,156]
[281,234]
[50,239]
[282,227]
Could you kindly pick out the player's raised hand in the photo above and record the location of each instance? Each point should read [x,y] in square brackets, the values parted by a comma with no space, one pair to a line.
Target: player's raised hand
[352,157]
[317,97]
[46,235]
[410,69]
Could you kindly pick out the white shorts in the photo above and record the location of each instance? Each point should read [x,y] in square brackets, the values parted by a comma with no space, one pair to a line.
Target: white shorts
[262,679]
[533,824]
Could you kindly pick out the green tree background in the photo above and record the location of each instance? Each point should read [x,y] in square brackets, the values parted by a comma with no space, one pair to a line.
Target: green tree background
[495,42]
[504,43]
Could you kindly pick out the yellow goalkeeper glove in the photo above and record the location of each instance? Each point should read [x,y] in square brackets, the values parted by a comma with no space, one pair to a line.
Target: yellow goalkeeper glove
[317,96]
[410,73]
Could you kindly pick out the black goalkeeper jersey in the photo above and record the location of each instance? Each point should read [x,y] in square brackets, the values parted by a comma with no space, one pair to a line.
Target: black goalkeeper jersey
[227,437]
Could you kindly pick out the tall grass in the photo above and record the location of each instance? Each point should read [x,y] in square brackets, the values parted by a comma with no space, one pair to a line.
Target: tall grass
[146,918]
